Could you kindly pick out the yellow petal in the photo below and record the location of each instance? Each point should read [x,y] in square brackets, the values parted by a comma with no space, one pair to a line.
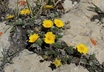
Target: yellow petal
[48,6]
[58,23]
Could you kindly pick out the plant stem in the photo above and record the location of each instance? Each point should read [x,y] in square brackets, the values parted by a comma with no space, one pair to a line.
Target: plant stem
[80,59]
[17,10]
[28,5]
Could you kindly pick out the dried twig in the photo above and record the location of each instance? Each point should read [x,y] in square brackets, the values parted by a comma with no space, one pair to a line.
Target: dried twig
[40,10]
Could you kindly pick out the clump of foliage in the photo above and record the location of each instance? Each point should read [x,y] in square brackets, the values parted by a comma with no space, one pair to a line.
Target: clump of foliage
[100,13]
[42,30]
[3,9]
[6,58]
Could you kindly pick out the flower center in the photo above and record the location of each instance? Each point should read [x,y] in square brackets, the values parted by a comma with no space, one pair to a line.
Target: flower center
[58,23]
[56,62]
[47,24]
[82,48]
[49,38]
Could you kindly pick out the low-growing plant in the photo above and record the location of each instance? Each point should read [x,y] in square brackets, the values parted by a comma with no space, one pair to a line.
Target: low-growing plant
[100,13]
[6,58]
[3,9]
[43,29]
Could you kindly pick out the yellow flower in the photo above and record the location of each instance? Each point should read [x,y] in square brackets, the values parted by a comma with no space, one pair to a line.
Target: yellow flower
[10,17]
[82,48]
[58,23]
[49,38]
[47,23]
[25,11]
[63,10]
[57,62]
[33,38]
[48,6]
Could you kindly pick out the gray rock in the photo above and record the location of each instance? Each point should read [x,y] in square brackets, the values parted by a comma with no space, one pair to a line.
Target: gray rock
[29,62]
[82,29]
[4,38]
[77,68]
[99,51]
[67,5]
[13,4]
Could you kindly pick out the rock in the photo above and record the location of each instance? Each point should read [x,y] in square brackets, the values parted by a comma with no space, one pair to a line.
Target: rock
[99,3]
[67,5]
[75,68]
[82,29]
[70,4]
[99,52]
[29,62]
[4,38]
[13,3]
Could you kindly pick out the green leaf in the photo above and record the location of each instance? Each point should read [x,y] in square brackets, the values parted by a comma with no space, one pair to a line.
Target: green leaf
[59,36]
[20,22]
[64,59]
[45,56]
[57,45]
[9,23]
[60,31]
[35,45]
[12,29]
[93,64]
[49,52]
[55,53]
[83,61]
[90,69]
[69,60]
[30,32]
[39,41]
[10,61]
[64,44]
[41,34]
[54,30]
[92,57]
[98,9]
[69,50]
[32,19]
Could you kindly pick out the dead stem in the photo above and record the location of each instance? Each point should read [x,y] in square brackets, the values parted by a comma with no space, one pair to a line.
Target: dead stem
[29,7]
[40,10]
[17,10]
[57,2]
